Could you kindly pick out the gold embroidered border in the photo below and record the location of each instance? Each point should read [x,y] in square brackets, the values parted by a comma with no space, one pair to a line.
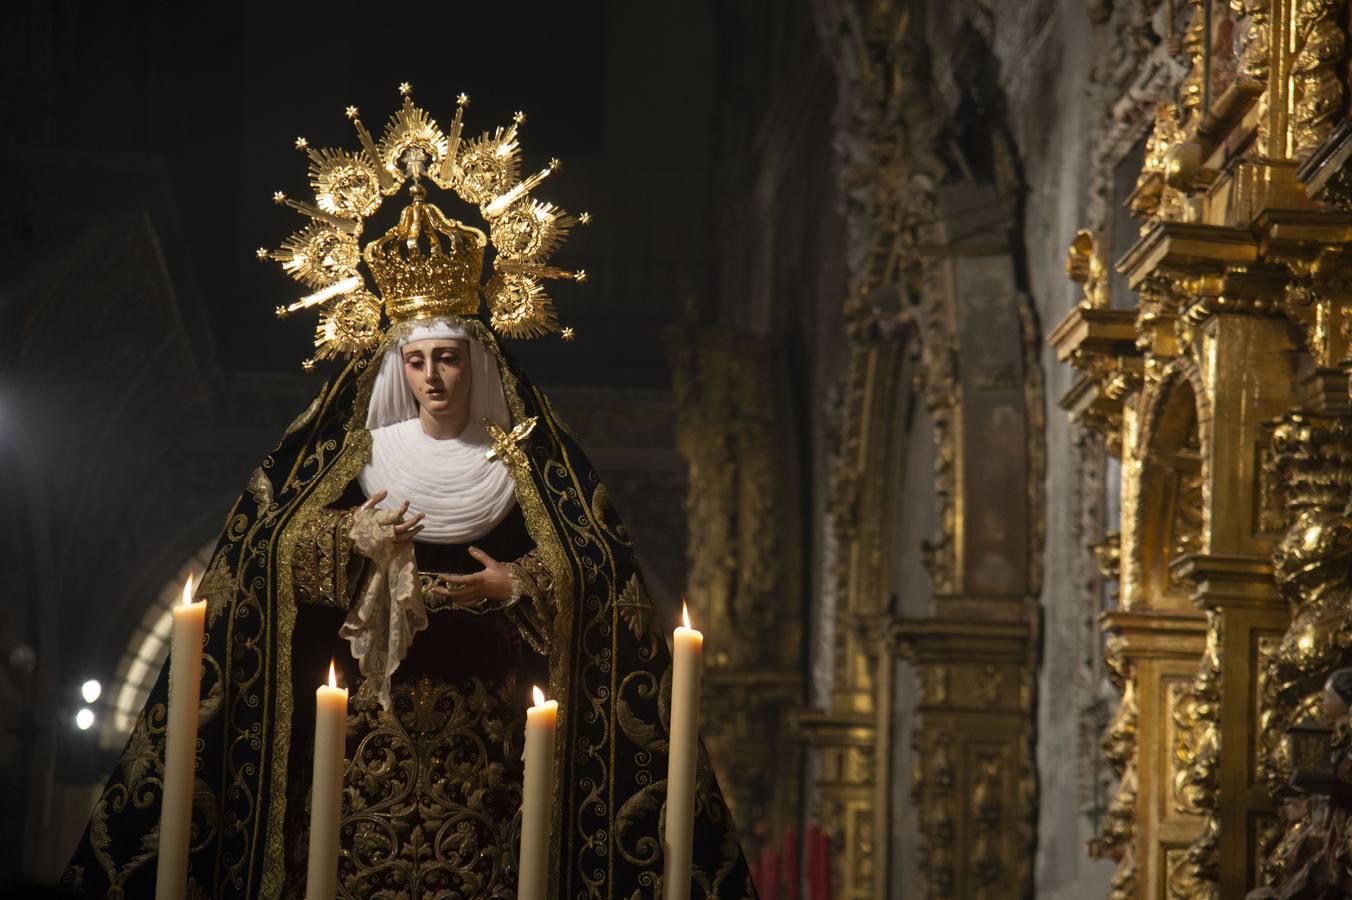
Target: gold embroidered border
[355,453]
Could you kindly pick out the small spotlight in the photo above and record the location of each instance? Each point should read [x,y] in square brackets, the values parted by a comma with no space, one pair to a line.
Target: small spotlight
[91,690]
[84,719]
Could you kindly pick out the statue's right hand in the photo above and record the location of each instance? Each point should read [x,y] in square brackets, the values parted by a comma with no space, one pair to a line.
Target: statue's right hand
[403,530]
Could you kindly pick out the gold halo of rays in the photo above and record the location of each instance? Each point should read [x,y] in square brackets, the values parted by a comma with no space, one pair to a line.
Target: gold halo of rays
[350,324]
[344,183]
[326,254]
[518,306]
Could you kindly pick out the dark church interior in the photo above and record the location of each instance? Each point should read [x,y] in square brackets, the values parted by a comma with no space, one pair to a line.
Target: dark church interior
[975,374]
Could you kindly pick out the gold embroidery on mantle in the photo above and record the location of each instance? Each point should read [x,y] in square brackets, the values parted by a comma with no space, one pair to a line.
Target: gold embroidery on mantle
[430,805]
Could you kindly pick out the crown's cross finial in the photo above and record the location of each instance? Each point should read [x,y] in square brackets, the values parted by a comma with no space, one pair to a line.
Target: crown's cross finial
[414,160]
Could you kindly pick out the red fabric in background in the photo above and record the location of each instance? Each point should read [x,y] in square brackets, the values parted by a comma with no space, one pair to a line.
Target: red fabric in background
[818,864]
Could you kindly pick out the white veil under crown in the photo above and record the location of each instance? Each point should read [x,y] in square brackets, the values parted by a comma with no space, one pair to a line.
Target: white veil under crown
[463,494]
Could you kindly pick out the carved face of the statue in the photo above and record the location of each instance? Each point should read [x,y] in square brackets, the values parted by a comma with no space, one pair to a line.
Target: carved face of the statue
[438,374]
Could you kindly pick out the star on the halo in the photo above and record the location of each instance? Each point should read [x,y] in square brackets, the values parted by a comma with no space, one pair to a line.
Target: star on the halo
[278,197]
[580,275]
[261,253]
[585,218]
[519,117]
[568,334]
[282,311]
[301,143]
[462,100]
[554,163]
[351,112]
[405,88]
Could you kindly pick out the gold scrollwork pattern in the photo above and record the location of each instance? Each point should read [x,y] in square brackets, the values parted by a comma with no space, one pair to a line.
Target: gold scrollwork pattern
[432,805]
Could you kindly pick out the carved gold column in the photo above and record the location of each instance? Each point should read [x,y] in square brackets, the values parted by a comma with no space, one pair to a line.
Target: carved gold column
[743,582]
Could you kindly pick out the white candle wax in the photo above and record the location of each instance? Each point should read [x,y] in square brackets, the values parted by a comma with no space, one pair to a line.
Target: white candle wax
[537,798]
[180,747]
[326,791]
[687,648]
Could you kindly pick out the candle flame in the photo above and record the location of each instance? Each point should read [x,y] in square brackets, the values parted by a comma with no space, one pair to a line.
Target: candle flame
[187,590]
[685,614]
[333,675]
[539,695]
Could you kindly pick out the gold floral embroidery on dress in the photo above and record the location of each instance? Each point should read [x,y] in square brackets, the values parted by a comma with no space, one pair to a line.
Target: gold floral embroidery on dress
[636,609]
[324,570]
[431,803]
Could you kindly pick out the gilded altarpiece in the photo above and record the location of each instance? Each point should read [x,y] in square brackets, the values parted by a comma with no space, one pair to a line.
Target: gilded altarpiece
[744,579]
[1219,384]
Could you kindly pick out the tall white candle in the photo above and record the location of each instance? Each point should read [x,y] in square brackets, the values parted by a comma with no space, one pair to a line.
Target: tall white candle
[537,798]
[326,790]
[180,746]
[686,650]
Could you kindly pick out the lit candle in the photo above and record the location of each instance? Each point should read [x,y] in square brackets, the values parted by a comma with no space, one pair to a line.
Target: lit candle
[180,746]
[687,646]
[537,798]
[326,791]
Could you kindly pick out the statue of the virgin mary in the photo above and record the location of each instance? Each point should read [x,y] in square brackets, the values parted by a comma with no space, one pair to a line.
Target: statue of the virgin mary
[431,525]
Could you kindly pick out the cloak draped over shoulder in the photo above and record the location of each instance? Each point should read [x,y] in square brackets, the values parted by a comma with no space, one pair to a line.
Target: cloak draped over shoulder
[608,665]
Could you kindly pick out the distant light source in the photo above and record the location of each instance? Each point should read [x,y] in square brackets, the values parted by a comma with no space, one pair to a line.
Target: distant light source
[91,690]
[84,719]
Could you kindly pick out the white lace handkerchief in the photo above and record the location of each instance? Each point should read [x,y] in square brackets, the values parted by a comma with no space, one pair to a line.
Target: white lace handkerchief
[381,624]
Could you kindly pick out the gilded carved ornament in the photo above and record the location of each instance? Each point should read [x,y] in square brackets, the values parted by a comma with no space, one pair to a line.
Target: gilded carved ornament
[1317,82]
[1312,564]
[1197,743]
[1154,198]
[1194,873]
[1084,266]
[1316,298]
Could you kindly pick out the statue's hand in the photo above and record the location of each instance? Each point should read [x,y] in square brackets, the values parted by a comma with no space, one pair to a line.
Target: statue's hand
[404,530]
[494,582]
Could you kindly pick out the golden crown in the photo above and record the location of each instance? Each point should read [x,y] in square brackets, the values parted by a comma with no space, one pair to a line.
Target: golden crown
[428,265]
